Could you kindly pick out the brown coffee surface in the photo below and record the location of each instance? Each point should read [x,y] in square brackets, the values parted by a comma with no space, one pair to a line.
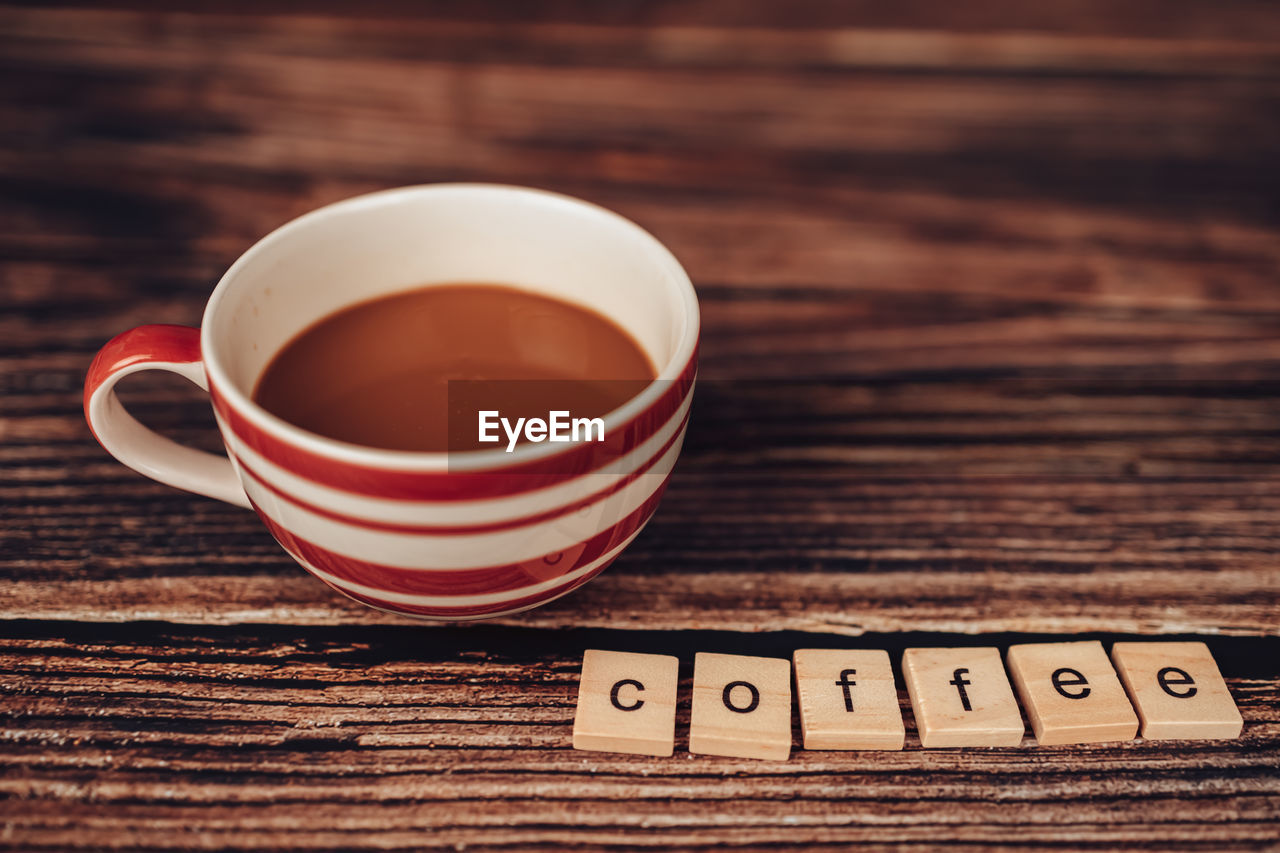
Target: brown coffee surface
[378,373]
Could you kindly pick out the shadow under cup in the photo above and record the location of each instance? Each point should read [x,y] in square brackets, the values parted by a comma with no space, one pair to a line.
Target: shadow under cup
[464,535]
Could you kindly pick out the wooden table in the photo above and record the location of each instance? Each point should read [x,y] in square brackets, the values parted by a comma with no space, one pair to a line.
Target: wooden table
[991,303]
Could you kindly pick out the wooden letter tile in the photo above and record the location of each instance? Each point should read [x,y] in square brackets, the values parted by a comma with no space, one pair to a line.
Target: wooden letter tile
[627,703]
[1178,691]
[1071,693]
[961,697]
[741,706]
[848,699]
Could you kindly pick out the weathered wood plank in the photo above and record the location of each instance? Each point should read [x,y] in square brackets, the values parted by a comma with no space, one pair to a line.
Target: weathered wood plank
[138,736]
[1240,601]
[1236,20]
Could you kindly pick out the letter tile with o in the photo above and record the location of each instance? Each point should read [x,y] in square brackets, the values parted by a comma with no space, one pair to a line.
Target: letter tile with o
[741,706]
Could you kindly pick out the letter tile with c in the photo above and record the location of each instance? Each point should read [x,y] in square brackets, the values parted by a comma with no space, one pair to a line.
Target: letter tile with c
[627,703]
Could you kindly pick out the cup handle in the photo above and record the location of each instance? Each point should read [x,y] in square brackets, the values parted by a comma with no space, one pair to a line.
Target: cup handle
[158,347]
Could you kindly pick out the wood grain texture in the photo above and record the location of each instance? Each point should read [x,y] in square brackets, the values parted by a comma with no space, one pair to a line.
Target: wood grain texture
[325,738]
[991,306]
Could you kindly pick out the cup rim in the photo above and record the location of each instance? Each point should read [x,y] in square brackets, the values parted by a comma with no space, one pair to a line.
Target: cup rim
[407,460]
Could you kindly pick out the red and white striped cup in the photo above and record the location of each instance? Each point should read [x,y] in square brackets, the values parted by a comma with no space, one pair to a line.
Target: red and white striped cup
[444,536]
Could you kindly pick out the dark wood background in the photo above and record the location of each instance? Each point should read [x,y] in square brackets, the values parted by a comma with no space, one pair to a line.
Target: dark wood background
[991,299]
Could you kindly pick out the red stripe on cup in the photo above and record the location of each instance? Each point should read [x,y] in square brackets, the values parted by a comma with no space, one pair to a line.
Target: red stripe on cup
[391,484]
[477,581]
[465,529]
[471,611]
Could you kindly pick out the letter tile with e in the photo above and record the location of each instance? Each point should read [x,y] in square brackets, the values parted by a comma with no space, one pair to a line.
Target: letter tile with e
[1178,691]
[1071,693]
[741,706]
[627,703]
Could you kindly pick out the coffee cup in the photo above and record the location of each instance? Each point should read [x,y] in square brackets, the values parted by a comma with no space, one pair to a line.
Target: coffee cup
[449,536]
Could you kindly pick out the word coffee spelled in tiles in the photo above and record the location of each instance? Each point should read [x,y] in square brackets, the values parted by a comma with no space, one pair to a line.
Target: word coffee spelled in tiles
[961,697]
